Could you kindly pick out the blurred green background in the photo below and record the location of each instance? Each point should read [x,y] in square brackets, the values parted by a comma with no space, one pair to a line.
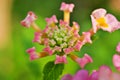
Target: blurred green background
[14,61]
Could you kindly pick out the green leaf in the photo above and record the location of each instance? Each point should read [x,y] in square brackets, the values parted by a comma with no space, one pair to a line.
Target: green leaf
[52,71]
[94,37]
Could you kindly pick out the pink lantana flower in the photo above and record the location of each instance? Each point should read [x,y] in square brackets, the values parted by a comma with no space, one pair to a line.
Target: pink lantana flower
[87,37]
[52,20]
[59,38]
[32,53]
[82,61]
[30,18]
[60,59]
[107,22]
[67,7]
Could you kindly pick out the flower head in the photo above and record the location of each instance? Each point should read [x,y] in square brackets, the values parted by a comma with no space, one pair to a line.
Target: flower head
[107,22]
[59,39]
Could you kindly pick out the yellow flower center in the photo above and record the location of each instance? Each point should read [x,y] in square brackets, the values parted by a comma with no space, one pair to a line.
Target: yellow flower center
[102,23]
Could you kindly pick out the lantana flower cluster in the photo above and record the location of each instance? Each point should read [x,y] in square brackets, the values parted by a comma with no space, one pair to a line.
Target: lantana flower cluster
[62,40]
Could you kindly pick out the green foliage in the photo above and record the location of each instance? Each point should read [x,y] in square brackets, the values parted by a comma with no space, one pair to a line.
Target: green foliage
[52,71]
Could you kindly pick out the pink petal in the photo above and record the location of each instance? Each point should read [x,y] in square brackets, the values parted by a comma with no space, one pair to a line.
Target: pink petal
[67,7]
[33,57]
[37,37]
[51,20]
[68,50]
[94,76]
[63,24]
[60,59]
[116,61]
[81,75]
[85,60]
[104,73]
[115,76]
[98,13]
[46,41]
[78,45]
[112,23]
[67,77]
[87,37]
[32,53]
[48,50]
[118,48]
[30,50]
[94,24]
[30,18]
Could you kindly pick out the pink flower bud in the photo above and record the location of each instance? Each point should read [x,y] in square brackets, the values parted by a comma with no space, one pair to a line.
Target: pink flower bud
[60,59]
[51,20]
[87,37]
[48,50]
[63,23]
[30,50]
[37,37]
[83,61]
[68,50]
[32,53]
[78,45]
[67,7]
[116,61]
[30,18]
[118,48]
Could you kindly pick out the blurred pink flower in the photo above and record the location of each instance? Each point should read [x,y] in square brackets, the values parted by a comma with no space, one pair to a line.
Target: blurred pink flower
[32,53]
[87,37]
[67,7]
[83,61]
[107,22]
[60,59]
[30,18]
[51,20]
